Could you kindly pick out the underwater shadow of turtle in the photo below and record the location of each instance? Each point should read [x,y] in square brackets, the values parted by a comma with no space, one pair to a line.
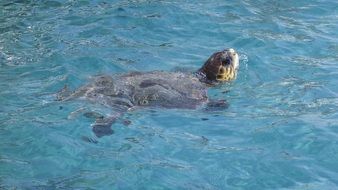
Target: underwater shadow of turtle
[156,89]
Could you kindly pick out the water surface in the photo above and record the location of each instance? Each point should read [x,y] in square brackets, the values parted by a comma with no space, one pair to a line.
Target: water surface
[280,131]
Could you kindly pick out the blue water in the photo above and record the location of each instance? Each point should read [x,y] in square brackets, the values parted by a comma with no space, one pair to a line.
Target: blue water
[280,131]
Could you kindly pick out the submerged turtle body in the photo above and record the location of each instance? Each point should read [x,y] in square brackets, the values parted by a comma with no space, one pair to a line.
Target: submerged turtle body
[156,89]
[152,89]
[163,89]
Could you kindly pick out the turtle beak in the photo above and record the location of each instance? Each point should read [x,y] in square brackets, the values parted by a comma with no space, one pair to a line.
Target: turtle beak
[233,56]
[229,65]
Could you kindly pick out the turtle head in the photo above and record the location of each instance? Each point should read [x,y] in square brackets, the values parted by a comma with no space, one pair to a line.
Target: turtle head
[221,66]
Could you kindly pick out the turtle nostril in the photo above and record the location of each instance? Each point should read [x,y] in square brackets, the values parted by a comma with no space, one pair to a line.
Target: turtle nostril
[226,61]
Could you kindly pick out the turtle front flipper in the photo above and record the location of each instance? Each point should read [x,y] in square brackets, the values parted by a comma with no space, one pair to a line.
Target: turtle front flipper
[216,105]
[102,126]
[183,69]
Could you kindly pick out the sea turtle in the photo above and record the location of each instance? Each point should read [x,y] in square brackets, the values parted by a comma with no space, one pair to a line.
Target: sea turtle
[126,91]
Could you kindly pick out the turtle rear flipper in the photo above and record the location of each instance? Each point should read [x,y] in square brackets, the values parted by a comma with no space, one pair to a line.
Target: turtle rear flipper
[66,94]
[63,93]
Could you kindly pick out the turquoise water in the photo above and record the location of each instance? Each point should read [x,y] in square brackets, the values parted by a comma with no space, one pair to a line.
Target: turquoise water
[280,131]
